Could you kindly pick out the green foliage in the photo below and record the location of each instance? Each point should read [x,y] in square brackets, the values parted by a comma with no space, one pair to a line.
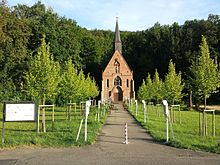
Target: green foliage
[14,35]
[157,88]
[69,83]
[74,86]
[22,27]
[142,91]
[205,73]
[173,85]
[43,76]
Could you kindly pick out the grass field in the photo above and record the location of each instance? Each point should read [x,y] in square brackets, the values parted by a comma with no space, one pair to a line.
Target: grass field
[186,134]
[63,134]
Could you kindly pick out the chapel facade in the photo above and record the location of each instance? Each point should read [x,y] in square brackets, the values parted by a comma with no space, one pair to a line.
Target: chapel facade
[117,78]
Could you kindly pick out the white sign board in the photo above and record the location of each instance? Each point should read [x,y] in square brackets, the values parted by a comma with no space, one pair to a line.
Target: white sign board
[20,112]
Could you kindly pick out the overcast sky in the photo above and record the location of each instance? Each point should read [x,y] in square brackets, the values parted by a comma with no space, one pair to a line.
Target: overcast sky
[133,14]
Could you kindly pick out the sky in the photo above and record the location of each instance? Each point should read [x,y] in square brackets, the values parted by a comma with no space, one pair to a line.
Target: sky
[133,15]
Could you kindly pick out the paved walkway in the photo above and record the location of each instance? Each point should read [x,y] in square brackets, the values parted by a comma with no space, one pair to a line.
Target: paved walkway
[110,150]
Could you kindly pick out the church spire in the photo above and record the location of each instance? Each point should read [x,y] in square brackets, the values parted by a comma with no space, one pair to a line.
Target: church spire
[117,42]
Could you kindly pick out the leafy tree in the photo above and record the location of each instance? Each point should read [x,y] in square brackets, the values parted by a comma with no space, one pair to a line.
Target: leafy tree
[69,83]
[141,91]
[205,73]
[14,35]
[43,76]
[157,87]
[173,85]
[145,90]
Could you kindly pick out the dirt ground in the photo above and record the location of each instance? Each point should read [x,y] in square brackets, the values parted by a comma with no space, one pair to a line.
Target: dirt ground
[212,107]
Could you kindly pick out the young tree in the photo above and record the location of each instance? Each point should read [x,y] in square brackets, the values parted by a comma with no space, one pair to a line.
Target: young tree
[69,82]
[205,73]
[141,91]
[173,85]
[148,90]
[157,87]
[43,76]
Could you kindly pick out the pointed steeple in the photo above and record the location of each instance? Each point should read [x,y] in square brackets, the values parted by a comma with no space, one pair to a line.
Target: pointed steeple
[117,41]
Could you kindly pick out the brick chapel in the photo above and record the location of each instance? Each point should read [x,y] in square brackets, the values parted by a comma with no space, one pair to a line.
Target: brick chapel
[117,78]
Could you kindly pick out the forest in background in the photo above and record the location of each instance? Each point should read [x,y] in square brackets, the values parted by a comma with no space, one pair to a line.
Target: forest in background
[22,28]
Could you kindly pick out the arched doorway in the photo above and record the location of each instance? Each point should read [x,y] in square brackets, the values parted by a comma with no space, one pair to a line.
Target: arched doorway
[117,94]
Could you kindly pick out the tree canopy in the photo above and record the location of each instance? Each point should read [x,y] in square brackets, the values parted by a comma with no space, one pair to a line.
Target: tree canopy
[22,28]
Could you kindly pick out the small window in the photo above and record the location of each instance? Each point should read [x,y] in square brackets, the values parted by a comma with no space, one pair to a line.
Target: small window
[107,83]
[127,83]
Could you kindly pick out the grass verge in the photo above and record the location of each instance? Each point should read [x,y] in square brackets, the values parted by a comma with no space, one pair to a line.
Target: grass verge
[186,134]
[63,134]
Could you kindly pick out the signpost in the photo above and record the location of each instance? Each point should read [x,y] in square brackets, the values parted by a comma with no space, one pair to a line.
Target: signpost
[166,114]
[145,113]
[86,113]
[97,111]
[18,112]
[136,103]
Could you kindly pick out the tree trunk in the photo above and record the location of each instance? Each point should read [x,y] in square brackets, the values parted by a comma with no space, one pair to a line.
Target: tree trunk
[190,100]
[205,103]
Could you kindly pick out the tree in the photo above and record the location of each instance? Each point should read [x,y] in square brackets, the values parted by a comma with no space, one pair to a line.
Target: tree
[205,73]
[43,76]
[173,85]
[157,87]
[145,90]
[14,35]
[141,91]
[69,83]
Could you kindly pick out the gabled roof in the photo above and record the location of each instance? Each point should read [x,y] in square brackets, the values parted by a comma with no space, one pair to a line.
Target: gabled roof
[117,55]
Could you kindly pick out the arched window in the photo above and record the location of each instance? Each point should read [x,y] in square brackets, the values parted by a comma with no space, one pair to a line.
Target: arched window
[127,83]
[117,81]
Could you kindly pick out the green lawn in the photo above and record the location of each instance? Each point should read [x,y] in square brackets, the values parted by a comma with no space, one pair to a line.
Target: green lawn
[186,134]
[63,134]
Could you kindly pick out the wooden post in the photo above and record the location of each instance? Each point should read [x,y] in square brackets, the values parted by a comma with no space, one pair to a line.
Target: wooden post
[203,123]
[171,114]
[53,118]
[3,132]
[43,120]
[38,119]
[70,109]
[156,111]
[213,123]
[200,129]
[67,111]
[206,128]
[179,115]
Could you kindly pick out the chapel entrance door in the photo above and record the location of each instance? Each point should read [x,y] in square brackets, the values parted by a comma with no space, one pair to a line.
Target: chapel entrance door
[117,94]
